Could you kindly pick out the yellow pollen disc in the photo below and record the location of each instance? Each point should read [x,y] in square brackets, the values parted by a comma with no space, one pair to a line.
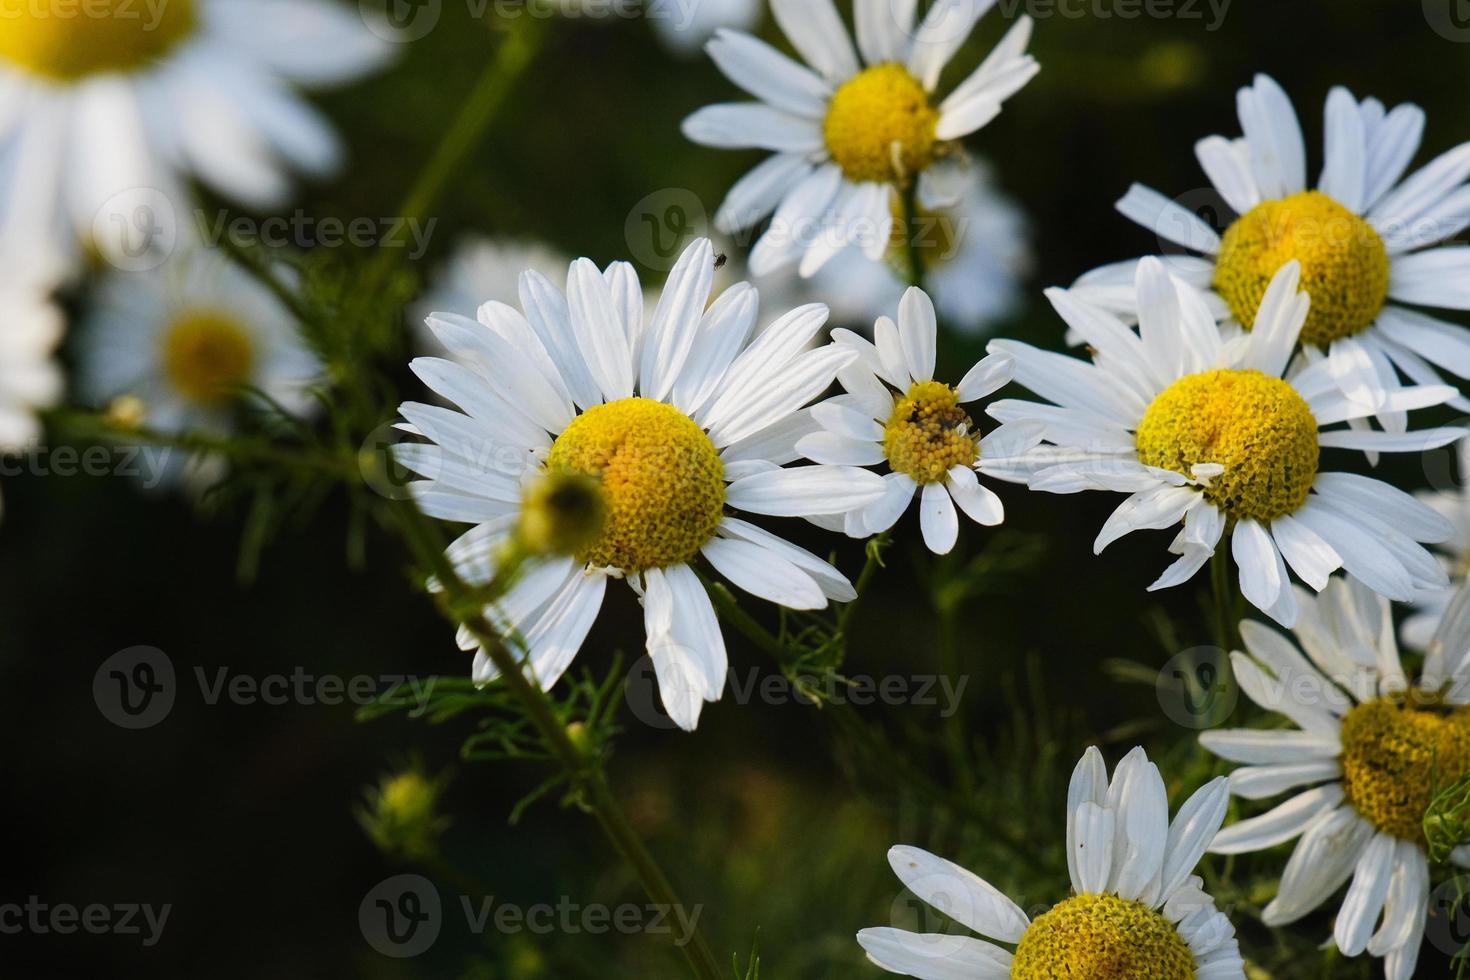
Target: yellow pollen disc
[1344,263]
[208,356]
[929,432]
[1256,426]
[1102,937]
[661,476]
[931,233]
[1395,757]
[880,125]
[68,41]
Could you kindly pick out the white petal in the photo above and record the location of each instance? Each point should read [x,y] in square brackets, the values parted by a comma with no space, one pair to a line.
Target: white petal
[937,519]
[978,502]
[763,573]
[958,893]
[1167,219]
[1286,822]
[817,32]
[936,956]
[768,74]
[918,330]
[805,490]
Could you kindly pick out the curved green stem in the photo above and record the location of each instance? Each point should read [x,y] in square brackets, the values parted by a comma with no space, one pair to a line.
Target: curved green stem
[913,251]
[584,772]
[1223,589]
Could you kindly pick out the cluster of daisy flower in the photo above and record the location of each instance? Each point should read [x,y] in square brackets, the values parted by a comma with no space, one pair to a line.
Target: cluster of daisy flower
[1214,387]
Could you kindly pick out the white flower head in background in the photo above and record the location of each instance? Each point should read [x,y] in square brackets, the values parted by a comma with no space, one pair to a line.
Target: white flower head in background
[895,414]
[1364,760]
[971,239]
[30,330]
[1368,239]
[1225,437]
[190,341]
[1453,505]
[106,107]
[847,131]
[685,25]
[682,417]
[1137,910]
[481,270]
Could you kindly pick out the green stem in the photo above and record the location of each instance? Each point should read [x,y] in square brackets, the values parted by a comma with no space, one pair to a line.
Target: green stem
[956,738]
[910,197]
[875,548]
[584,772]
[516,52]
[1223,589]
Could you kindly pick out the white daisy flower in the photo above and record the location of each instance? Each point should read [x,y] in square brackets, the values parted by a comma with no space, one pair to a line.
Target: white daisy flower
[972,240]
[846,132]
[104,102]
[683,26]
[188,340]
[1136,910]
[684,420]
[1364,759]
[895,414]
[1365,238]
[30,330]
[1226,436]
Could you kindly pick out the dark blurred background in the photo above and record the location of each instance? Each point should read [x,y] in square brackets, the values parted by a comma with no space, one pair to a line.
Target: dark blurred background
[775,820]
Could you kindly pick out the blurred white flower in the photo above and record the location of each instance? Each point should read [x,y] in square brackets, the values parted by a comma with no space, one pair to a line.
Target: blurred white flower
[1428,607]
[30,329]
[973,242]
[481,270]
[684,25]
[106,108]
[188,340]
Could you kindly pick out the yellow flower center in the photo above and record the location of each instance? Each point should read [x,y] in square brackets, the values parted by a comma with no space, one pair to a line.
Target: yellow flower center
[1257,427]
[208,356]
[930,233]
[929,432]
[1344,263]
[880,125]
[408,796]
[1396,756]
[1102,937]
[661,476]
[68,41]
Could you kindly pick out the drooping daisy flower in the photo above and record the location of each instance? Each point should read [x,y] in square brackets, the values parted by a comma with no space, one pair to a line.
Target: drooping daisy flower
[896,415]
[1364,238]
[1226,437]
[188,340]
[1136,910]
[30,329]
[1454,554]
[113,99]
[972,242]
[683,27]
[683,420]
[1367,754]
[847,132]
